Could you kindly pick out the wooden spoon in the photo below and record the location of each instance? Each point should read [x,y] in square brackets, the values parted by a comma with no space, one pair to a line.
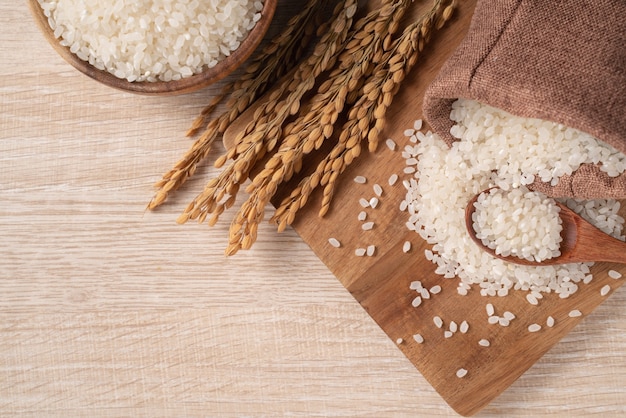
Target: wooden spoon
[582,242]
[163,88]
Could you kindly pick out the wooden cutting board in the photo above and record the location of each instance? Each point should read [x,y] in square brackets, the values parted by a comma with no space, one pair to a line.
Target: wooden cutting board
[380,283]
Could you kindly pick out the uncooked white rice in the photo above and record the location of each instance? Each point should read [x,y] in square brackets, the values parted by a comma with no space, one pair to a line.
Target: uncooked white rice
[447,334]
[605,290]
[362,216]
[417,301]
[367,226]
[364,202]
[461,373]
[575,313]
[378,190]
[374,201]
[490,309]
[498,149]
[416,285]
[534,327]
[141,40]
[518,223]
[435,289]
[453,327]
[371,250]
[392,179]
[613,274]
[418,338]
[484,343]
[360,180]
[550,321]
[360,252]
[406,247]
[334,242]
[438,321]
[532,299]
[391,144]
[464,327]
[509,316]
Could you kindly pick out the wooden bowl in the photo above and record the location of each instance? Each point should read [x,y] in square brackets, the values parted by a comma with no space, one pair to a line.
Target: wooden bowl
[185,85]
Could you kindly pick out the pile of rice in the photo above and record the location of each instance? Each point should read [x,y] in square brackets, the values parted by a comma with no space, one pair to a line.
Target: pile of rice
[498,149]
[518,223]
[157,40]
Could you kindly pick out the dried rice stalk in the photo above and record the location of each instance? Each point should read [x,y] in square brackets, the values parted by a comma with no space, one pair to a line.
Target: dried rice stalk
[261,135]
[275,60]
[309,131]
[366,118]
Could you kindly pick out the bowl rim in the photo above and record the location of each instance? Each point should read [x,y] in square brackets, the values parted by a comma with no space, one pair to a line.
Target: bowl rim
[185,85]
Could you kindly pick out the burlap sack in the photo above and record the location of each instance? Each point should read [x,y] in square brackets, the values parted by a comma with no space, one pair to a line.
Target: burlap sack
[562,61]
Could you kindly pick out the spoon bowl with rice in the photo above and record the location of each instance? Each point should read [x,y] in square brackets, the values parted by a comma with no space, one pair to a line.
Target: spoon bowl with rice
[578,240]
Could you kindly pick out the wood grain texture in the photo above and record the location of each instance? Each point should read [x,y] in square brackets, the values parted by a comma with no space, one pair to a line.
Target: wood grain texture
[108,311]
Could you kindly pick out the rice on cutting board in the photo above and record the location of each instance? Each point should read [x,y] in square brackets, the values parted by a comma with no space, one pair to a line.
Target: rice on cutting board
[144,40]
[497,149]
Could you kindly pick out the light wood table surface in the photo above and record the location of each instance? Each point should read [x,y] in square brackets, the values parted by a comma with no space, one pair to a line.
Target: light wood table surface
[110,311]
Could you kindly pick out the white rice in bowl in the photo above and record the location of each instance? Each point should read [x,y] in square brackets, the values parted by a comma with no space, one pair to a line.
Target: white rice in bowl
[498,149]
[157,40]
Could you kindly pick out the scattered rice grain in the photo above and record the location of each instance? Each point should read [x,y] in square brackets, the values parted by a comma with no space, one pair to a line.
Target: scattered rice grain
[534,327]
[613,274]
[493,319]
[574,313]
[438,321]
[461,373]
[490,309]
[391,144]
[367,226]
[453,327]
[464,327]
[605,290]
[334,242]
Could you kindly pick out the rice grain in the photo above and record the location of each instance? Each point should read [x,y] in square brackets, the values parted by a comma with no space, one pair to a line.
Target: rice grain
[157,40]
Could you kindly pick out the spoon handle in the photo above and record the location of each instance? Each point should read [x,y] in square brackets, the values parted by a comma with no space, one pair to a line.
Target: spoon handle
[598,246]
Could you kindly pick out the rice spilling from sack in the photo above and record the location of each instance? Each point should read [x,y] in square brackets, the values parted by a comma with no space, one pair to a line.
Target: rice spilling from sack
[493,149]
[518,223]
[159,40]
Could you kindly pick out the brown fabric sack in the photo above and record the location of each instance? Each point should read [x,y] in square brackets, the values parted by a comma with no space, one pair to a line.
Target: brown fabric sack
[561,61]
